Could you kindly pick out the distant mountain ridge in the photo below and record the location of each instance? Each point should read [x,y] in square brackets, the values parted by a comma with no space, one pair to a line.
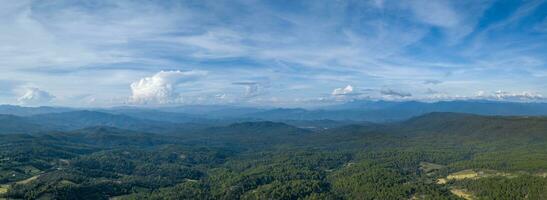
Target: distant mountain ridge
[73,120]
[385,111]
[11,124]
[356,111]
[461,124]
[28,111]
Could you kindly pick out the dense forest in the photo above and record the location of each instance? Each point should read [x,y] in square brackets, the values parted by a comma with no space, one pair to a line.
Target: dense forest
[433,156]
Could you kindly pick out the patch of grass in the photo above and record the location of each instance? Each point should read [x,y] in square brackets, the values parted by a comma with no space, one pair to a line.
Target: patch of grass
[428,167]
[28,180]
[3,189]
[463,175]
[442,181]
[462,193]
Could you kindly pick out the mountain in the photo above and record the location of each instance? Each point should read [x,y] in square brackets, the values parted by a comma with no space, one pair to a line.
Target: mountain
[109,137]
[320,114]
[261,128]
[355,111]
[478,126]
[211,111]
[362,105]
[402,160]
[28,111]
[474,107]
[82,119]
[10,124]
[157,115]
[385,111]
[262,134]
[321,124]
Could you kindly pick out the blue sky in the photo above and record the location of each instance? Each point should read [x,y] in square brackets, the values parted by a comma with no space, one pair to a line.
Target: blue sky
[280,53]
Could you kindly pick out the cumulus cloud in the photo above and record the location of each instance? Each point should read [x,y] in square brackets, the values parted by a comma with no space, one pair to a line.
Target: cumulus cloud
[251,88]
[343,91]
[161,88]
[35,96]
[393,93]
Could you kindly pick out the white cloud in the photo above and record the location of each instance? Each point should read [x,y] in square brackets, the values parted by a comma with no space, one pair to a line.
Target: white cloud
[214,44]
[456,18]
[393,93]
[432,82]
[342,91]
[510,96]
[437,13]
[100,49]
[431,91]
[251,88]
[220,96]
[525,95]
[161,88]
[35,96]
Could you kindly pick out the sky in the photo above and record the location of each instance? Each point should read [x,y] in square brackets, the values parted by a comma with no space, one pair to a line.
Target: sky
[274,53]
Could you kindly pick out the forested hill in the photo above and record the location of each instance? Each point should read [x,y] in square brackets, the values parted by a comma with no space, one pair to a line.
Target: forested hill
[82,119]
[73,120]
[425,157]
[10,124]
[469,124]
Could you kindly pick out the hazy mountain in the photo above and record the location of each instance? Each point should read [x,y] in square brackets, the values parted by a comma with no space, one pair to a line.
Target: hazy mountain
[356,111]
[458,124]
[82,119]
[211,111]
[384,111]
[27,111]
[158,115]
[263,134]
[110,136]
[10,124]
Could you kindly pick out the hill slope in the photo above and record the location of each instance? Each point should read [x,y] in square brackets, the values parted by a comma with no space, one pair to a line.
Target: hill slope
[82,119]
[10,124]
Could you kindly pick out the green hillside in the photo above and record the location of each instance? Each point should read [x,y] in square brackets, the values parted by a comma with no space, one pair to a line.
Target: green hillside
[434,156]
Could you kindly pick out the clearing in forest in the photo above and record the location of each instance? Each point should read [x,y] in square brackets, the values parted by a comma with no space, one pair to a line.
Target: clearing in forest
[463,175]
[28,180]
[428,167]
[3,189]
[462,193]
